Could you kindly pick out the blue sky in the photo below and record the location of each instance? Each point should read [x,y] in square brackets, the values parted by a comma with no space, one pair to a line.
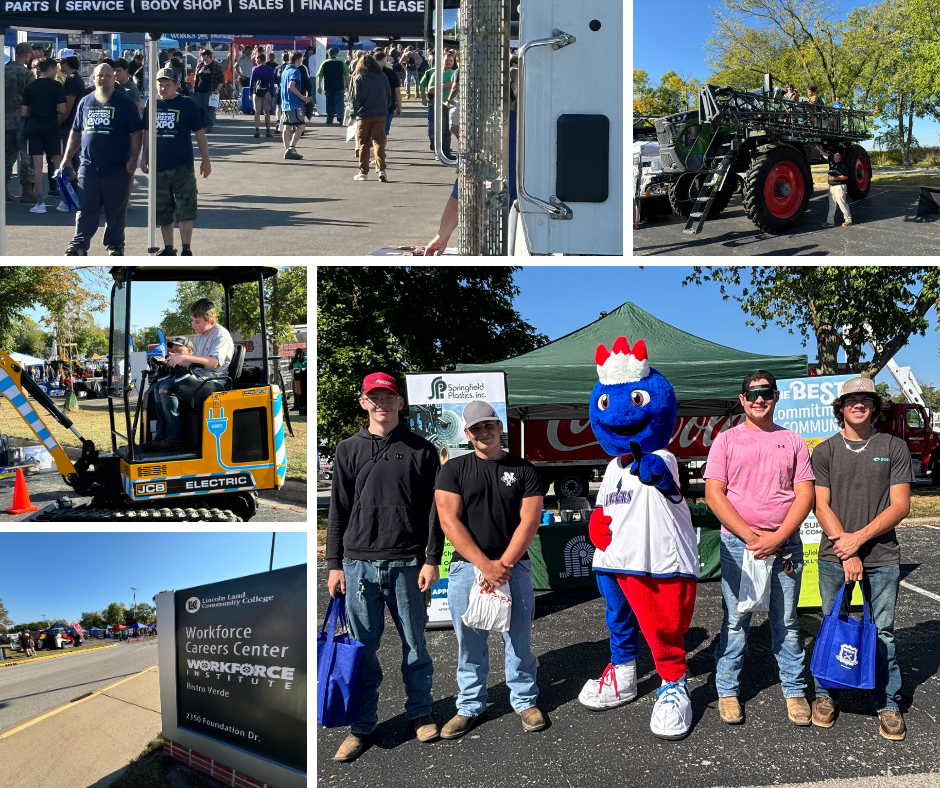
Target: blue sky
[95,569]
[558,300]
[681,48]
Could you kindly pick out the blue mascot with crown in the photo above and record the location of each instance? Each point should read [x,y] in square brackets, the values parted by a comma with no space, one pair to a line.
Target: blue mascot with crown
[646,560]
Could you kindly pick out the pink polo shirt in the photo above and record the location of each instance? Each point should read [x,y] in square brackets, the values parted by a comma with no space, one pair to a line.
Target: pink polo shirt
[760,469]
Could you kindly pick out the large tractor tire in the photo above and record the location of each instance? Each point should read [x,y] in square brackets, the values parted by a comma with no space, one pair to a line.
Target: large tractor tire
[859,183]
[776,190]
[682,194]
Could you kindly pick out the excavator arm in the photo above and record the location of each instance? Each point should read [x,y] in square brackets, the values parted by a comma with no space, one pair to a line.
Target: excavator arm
[15,384]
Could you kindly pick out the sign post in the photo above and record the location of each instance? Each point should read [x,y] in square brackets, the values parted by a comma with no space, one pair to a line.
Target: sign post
[233,675]
[435,412]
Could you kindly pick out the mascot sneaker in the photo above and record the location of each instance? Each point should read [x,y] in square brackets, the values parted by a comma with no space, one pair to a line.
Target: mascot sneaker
[615,687]
[672,714]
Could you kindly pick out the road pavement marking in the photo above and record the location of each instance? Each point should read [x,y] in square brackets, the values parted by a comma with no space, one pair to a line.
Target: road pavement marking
[919,590]
[53,656]
[71,704]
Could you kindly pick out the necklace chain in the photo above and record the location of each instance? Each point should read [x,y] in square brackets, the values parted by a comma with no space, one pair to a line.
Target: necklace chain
[857,451]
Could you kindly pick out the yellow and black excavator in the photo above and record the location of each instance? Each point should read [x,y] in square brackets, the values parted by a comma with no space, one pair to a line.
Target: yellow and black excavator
[235,436]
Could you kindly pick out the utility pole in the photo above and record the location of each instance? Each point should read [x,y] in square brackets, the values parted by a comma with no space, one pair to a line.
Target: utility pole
[135,603]
[271,564]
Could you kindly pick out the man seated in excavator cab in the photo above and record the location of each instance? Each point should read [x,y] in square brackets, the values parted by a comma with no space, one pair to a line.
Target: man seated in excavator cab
[213,349]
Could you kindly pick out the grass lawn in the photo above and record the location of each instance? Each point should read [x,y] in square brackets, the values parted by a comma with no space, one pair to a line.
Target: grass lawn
[153,768]
[925,502]
[93,423]
[820,176]
[90,645]
[321,530]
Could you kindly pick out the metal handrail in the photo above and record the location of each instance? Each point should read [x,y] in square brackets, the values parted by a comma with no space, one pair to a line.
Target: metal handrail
[439,84]
[559,39]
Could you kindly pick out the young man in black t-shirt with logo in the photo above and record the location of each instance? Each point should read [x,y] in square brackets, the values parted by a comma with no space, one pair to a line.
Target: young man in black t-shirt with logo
[43,102]
[383,549]
[863,490]
[490,505]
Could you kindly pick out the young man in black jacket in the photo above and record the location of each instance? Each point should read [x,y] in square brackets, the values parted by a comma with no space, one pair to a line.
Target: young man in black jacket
[384,542]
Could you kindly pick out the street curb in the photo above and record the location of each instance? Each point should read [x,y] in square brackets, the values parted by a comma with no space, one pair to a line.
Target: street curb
[53,656]
[71,704]
[919,521]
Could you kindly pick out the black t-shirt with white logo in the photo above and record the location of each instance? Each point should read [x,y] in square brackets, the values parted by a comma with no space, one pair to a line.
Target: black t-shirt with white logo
[492,493]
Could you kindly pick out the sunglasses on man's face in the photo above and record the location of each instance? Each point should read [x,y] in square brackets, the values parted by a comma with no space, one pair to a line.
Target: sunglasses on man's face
[765,391]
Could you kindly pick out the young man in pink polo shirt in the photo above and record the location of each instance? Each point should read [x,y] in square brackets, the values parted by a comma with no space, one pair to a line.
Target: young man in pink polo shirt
[759,483]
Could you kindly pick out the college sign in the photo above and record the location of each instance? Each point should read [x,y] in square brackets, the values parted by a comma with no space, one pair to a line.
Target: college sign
[262,17]
[240,664]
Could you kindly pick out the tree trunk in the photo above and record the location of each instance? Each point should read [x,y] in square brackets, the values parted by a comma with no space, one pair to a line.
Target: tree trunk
[827,350]
[853,354]
[902,142]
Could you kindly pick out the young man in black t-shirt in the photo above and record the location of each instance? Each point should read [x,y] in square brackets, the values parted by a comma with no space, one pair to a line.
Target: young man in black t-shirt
[863,490]
[490,505]
[394,108]
[43,103]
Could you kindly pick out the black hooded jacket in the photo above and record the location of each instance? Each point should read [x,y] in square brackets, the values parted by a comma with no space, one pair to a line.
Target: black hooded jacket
[382,501]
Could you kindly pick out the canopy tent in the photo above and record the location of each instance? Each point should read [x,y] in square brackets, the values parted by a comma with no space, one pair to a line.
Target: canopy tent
[555,381]
[275,41]
[27,361]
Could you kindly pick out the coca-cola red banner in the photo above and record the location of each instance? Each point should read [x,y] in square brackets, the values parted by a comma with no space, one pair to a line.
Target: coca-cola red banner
[574,441]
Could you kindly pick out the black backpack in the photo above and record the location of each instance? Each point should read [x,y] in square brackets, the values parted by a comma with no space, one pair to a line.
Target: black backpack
[261,87]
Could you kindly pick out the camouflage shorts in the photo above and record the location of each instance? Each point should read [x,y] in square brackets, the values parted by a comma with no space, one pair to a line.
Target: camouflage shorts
[176,195]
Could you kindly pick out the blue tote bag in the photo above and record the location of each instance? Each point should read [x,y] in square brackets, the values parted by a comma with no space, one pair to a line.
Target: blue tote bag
[339,676]
[844,656]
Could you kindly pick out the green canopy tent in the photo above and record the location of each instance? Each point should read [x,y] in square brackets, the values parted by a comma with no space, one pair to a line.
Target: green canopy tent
[555,381]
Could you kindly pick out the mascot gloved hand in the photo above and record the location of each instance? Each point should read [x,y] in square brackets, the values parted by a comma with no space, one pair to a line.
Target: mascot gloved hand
[646,562]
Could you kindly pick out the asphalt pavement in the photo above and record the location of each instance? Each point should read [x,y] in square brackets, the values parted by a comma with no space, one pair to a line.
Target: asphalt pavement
[884,223]
[32,688]
[583,748]
[256,203]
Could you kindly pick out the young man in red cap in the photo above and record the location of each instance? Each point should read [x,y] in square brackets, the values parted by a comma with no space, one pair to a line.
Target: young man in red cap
[384,543]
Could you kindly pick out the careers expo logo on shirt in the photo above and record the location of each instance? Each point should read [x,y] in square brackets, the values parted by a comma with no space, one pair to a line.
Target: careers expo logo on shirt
[98,120]
[166,121]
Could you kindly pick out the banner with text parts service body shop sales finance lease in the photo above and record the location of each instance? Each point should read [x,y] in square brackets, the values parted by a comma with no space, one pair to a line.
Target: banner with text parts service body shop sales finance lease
[241,664]
[435,412]
[805,407]
[260,17]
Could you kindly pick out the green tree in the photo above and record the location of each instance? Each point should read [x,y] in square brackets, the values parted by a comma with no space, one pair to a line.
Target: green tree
[146,613]
[92,339]
[675,93]
[114,614]
[407,319]
[92,619]
[29,338]
[5,621]
[840,307]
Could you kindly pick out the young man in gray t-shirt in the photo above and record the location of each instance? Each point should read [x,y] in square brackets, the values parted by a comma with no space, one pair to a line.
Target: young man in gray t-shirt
[863,490]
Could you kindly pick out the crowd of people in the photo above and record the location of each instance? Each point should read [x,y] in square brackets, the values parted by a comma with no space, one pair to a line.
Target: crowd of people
[760,482]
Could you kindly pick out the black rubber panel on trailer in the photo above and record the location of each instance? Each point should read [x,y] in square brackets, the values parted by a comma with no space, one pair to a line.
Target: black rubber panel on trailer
[682,194]
[776,191]
[859,183]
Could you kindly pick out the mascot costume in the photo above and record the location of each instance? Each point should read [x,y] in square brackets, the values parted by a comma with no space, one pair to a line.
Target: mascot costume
[646,560]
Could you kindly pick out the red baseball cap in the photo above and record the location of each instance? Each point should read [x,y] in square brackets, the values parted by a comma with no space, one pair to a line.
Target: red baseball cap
[379,380]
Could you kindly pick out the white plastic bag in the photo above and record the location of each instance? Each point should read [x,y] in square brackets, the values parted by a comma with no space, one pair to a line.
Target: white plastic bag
[754,593]
[488,609]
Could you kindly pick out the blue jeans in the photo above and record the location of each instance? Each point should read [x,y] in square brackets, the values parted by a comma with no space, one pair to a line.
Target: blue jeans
[411,76]
[334,105]
[445,138]
[621,620]
[369,590]
[167,393]
[388,122]
[784,624]
[880,585]
[473,656]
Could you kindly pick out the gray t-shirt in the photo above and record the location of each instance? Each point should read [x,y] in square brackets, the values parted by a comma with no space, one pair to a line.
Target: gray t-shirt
[215,342]
[131,90]
[859,490]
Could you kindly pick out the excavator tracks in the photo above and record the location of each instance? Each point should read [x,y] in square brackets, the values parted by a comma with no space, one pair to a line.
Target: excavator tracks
[166,515]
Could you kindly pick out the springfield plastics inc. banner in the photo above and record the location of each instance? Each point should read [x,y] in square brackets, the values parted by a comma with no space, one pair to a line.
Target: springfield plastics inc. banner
[241,663]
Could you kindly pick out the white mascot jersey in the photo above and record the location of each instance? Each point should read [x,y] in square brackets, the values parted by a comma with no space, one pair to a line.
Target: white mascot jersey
[650,535]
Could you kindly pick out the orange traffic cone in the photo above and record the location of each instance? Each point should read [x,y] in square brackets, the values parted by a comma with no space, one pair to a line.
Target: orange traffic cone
[21,504]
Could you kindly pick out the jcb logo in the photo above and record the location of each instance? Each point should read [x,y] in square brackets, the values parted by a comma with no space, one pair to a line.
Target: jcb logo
[150,488]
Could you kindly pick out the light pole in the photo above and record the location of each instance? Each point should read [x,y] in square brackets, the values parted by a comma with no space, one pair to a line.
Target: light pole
[271,564]
[135,603]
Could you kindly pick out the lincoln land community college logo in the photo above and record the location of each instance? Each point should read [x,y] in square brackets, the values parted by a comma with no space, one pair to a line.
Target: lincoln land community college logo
[438,388]
[848,655]
[509,479]
[192,604]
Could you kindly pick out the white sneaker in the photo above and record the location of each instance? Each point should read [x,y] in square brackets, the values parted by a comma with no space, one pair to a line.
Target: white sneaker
[62,207]
[672,714]
[383,177]
[616,686]
[360,177]
[39,207]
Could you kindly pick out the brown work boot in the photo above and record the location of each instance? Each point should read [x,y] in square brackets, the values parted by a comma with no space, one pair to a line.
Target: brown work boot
[426,729]
[730,711]
[798,711]
[828,224]
[846,224]
[28,195]
[533,719]
[824,712]
[460,725]
[352,747]
[891,725]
